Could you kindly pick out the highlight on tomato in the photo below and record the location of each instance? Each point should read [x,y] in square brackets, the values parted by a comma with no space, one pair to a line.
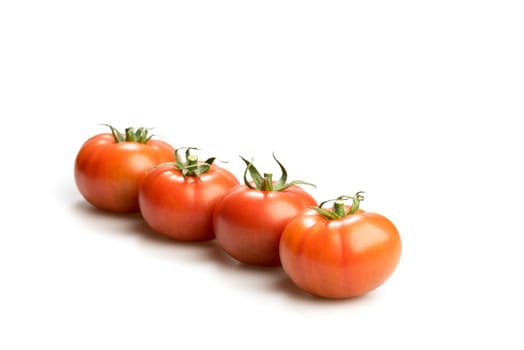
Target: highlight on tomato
[110,166]
[340,253]
[249,220]
[177,198]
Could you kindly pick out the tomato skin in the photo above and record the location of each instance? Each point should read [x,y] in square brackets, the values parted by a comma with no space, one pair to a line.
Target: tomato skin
[182,208]
[108,173]
[340,258]
[248,223]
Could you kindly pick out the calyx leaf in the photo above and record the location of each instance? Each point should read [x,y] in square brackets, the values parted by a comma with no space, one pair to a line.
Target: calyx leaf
[339,210]
[191,167]
[265,182]
[139,135]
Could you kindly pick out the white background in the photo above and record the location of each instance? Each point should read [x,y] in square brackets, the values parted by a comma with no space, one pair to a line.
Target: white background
[415,102]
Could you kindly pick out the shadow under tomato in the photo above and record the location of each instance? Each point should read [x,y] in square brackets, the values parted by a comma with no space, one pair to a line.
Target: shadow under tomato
[85,208]
[105,221]
[247,277]
[163,247]
[273,279]
[286,286]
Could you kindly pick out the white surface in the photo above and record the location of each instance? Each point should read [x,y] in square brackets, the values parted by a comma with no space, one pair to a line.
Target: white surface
[418,104]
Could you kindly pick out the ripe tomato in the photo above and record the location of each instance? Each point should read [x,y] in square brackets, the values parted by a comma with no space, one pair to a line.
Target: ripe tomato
[250,219]
[340,254]
[177,199]
[109,167]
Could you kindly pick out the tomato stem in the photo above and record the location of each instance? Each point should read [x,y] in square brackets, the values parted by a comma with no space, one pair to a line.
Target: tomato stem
[265,183]
[192,160]
[140,135]
[339,209]
[191,167]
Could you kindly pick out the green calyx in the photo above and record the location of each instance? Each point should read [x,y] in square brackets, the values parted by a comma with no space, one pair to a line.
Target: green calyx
[191,167]
[139,135]
[265,183]
[339,209]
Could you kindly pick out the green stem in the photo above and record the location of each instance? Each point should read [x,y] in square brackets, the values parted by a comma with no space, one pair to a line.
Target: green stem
[191,167]
[339,208]
[140,135]
[130,135]
[192,160]
[267,182]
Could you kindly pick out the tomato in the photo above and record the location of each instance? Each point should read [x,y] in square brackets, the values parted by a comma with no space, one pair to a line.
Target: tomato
[109,167]
[177,199]
[249,220]
[340,254]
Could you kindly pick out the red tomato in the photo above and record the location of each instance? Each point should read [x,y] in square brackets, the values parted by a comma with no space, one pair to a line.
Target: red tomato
[177,201]
[109,167]
[250,219]
[340,257]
